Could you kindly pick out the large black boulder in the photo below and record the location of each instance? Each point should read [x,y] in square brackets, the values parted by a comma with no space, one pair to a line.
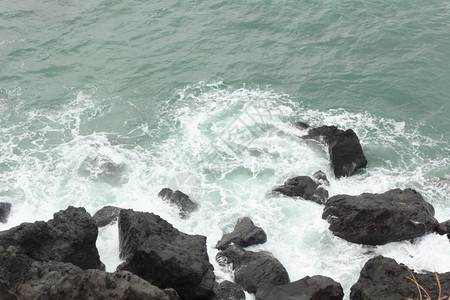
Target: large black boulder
[23,278]
[377,219]
[96,284]
[157,252]
[383,278]
[253,270]
[245,234]
[179,199]
[5,210]
[308,288]
[69,237]
[305,187]
[344,148]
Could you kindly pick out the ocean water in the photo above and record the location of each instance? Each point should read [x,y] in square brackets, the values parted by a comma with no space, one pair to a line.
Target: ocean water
[108,102]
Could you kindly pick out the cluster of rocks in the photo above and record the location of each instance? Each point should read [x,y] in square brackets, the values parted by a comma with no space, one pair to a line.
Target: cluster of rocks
[58,259]
[371,219]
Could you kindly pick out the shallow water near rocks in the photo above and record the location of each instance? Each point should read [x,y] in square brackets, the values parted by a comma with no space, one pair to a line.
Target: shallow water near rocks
[106,103]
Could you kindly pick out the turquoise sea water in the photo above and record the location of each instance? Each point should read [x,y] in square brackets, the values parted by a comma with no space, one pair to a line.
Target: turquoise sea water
[199,95]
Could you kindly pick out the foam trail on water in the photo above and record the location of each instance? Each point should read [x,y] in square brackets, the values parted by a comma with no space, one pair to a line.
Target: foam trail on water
[227,148]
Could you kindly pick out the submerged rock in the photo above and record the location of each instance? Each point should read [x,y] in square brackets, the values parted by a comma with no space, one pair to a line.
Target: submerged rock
[106,215]
[180,199]
[344,148]
[383,278]
[69,237]
[253,270]
[308,288]
[5,210]
[377,219]
[245,234]
[305,187]
[105,169]
[157,252]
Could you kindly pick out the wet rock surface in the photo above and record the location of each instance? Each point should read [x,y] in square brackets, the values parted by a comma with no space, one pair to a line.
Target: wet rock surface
[344,148]
[245,234]
[180,200]
[253,270]
[305,187]
[377,219]
[308,288]
[384,278]
[69,237]
[5,210]
[157,252]
[106,215]
[227,290]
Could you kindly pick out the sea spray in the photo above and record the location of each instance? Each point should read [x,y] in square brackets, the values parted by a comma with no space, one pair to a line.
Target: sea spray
[227,147]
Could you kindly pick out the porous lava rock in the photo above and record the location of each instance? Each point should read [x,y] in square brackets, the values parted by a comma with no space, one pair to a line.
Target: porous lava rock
[180,200]
[227,290]
[106,215]
[253,270]
[308,288]
[377,219]
[245,234]
[69,237]
[157,252]
[305,187]
[344,148]
[384,278]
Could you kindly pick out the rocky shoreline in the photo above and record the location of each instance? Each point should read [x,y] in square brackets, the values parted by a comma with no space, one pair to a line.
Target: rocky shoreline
[58,259]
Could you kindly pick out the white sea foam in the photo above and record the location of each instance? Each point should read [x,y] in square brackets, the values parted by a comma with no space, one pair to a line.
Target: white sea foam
[235,145]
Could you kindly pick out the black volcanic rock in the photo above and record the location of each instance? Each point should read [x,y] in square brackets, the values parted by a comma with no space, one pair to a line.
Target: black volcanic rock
[5,210]
[377,219]
[157,252]
[245,234]
[96,284]
[305,187]
[253,270]
[443,228]
[180,199]
[383,278]
[344,148]
[227,290]
[106,215]
[308,288]
[23,278]
[321,178]
[69,237]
